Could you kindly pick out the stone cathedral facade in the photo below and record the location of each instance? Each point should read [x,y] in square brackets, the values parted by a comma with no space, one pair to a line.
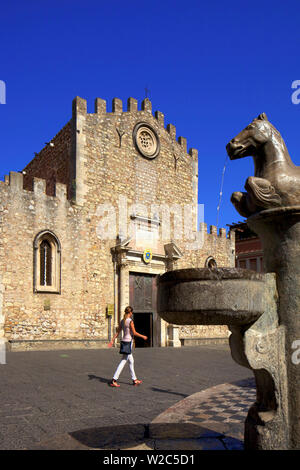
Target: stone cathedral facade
[106,206]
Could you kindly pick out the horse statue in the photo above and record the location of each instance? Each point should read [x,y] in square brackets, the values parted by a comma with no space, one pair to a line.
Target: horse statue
[277,180]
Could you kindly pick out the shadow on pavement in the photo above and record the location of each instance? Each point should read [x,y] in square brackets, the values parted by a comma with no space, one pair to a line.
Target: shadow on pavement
[247,383]
[100,379]
[157,435]
[160,390]
[153,436]
[111,435]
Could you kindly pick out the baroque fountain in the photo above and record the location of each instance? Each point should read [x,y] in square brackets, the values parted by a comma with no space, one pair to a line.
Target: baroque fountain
[262,311]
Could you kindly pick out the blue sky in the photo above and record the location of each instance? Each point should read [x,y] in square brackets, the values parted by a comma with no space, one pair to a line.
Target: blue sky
[211,67]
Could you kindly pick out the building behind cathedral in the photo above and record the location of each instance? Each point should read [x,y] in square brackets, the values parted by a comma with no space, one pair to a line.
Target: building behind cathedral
[107,205]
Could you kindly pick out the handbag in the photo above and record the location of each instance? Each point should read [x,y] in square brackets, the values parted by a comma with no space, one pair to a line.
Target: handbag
[125,347]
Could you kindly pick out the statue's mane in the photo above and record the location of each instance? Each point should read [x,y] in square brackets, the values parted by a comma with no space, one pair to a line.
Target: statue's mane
[274,131]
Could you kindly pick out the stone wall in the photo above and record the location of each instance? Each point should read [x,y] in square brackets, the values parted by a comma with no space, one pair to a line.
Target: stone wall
[95,179]
[222,249]
[52,163]
[219,246]
[75,312]
[109,165]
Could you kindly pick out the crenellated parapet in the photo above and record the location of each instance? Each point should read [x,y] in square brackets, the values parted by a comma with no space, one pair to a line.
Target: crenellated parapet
[213,232]
[210,248]
[52,163]
[13,187]
[100,110]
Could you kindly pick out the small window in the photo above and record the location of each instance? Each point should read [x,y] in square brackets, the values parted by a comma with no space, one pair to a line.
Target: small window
[210,263]
[47,263]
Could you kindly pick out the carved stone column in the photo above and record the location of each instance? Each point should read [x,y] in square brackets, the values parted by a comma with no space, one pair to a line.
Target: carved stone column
[259,347]
[173,336]
[173,253]
[119,253]
[279,231]
[247,302]
[123,287]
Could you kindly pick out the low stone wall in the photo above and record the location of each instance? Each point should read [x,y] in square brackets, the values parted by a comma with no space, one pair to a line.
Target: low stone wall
[51,345]
[201,341]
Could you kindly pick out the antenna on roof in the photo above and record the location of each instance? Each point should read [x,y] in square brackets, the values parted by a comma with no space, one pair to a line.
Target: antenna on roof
[146,91]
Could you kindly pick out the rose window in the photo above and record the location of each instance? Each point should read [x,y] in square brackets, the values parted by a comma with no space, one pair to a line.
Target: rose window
[146,140]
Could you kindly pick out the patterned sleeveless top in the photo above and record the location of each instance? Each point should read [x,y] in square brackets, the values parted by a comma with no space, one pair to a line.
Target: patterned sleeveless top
[127,334]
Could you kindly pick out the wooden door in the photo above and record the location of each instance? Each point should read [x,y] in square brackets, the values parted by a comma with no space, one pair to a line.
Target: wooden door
[143,292]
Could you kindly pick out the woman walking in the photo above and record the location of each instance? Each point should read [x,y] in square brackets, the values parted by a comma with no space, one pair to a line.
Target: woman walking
[129,332]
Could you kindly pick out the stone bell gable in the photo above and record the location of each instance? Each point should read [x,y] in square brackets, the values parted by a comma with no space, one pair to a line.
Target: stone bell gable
[123,155]
[131,152]
[102,146]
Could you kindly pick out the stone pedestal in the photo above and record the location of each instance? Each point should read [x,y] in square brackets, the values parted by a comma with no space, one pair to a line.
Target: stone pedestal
[259,347]
[279,231]
[248,303]
[123,288]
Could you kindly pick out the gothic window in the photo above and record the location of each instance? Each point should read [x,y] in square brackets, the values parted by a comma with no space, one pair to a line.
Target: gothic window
[46,263]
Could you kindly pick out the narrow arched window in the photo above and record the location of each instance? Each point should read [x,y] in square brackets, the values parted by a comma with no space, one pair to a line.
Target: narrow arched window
[47,263]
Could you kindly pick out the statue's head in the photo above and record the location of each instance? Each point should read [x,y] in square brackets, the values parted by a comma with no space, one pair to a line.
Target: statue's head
[249,140]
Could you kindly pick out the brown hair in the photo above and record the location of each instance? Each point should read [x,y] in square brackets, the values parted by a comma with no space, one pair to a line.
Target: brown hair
[128,310]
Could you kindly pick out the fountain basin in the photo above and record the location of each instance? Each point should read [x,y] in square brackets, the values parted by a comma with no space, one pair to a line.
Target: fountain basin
[221,296]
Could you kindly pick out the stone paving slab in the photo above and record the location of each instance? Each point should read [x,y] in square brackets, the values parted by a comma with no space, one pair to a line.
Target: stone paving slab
[221,409]
[214,415]
[48,395]
[206,420]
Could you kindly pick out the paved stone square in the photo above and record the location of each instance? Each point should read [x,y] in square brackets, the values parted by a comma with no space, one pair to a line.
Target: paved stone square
[46,394]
